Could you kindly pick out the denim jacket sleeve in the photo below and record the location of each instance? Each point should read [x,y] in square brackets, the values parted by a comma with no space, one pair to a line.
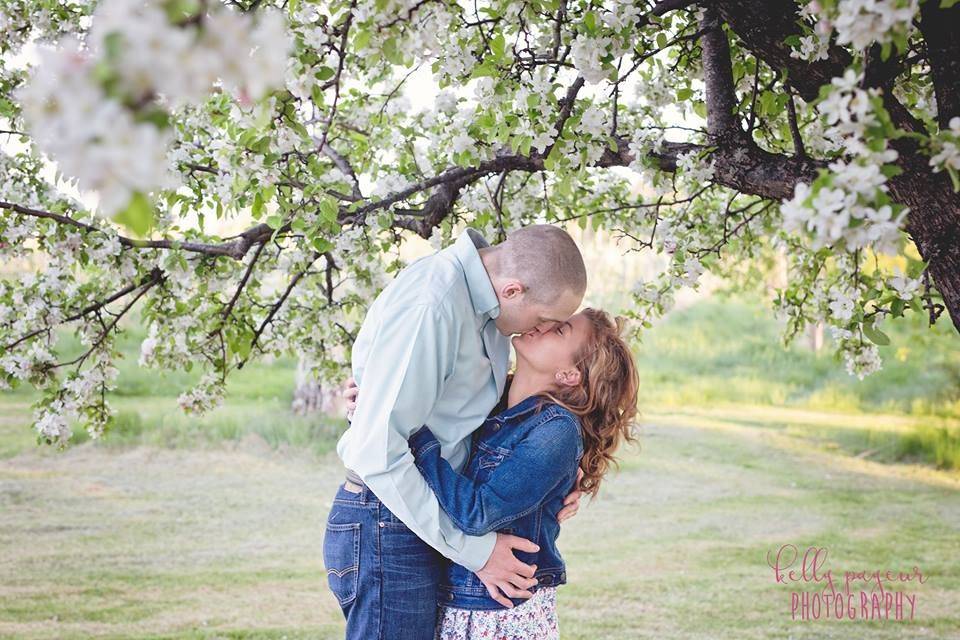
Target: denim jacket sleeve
[546,456]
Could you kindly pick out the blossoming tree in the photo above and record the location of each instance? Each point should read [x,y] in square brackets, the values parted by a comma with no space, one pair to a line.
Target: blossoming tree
[828,131]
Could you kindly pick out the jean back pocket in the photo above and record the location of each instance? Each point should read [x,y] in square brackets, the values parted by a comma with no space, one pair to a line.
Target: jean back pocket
[341,558]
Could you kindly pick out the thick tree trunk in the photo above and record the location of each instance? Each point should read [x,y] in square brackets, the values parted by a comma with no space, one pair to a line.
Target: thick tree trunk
[310,396]
[934,225]
[815,334]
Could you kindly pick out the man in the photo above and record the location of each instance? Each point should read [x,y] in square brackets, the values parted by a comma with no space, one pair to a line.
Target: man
[434,349]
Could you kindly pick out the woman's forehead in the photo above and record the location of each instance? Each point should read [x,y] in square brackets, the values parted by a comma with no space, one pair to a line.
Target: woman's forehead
[579,321]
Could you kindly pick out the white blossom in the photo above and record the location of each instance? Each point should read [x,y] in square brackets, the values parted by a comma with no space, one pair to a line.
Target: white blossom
[905,287]
[586,53]
[860,23]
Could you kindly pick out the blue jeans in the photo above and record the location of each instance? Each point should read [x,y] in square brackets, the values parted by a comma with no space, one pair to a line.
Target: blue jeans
[384,577]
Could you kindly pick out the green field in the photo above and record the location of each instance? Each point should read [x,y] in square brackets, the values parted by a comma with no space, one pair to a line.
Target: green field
[183,527]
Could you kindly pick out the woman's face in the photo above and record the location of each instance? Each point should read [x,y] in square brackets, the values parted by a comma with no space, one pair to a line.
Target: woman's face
[554,350]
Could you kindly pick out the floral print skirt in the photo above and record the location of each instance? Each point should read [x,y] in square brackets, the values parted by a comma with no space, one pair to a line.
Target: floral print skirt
[535,619]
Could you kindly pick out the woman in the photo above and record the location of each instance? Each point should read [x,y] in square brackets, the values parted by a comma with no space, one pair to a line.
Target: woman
[569,404]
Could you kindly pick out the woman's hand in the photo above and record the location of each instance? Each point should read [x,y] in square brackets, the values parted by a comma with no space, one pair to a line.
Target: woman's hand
[350,393]
[572,501]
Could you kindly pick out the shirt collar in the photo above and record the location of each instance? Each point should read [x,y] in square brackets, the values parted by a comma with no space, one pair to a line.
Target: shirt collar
[482,294]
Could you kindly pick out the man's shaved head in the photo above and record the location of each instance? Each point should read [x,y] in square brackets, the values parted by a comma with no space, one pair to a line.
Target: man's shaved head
[545,259]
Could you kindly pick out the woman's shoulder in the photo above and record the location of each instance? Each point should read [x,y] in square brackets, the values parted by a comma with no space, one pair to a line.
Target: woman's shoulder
[559,416]
[563,431]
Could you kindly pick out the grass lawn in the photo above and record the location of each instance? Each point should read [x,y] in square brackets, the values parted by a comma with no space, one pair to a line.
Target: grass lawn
[224,540]
[212,527]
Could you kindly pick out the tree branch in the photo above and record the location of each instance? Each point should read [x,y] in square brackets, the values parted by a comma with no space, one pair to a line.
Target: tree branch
[722,121]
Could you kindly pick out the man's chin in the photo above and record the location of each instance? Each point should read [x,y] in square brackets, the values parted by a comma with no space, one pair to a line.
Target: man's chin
[506,331]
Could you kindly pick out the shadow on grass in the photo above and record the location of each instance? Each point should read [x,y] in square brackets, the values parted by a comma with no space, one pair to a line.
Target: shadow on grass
[882,438]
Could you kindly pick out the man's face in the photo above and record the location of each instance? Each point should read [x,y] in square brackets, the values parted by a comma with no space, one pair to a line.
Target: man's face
[517,316]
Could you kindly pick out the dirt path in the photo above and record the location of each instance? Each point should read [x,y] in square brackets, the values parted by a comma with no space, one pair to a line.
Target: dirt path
[227,543]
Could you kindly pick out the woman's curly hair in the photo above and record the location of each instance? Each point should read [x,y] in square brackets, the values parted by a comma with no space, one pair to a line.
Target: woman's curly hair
[606,398]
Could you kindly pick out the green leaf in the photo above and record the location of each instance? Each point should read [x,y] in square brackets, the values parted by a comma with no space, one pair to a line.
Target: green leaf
[954,178]
[890,170]
[684,94]
[329,210]
[525,143]
[875,335]
[322,245]
[261,145]
[325,73]
[661,40]
[885,49]
[590,21]
[138,216]
[497,45]
[391,52]
[946,4]
[113,45]
[158,117]
[180,10]
[487,68]
[361,40]
[317,94]
[257,208]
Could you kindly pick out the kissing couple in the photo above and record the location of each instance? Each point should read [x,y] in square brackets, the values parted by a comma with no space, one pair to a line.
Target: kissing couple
[458,473]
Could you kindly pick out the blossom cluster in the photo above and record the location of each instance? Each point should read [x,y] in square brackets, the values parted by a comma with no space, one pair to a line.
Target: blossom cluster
[848,207]
[946,151]
[858,23]
[100,107]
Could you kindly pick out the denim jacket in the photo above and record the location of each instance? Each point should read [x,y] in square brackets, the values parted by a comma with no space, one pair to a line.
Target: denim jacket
[523,462]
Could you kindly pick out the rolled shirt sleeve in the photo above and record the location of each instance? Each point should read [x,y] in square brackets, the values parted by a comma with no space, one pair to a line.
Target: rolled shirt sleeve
[408,361]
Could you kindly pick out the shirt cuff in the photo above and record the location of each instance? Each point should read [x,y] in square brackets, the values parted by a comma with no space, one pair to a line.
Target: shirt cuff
[422,441]
[477,550]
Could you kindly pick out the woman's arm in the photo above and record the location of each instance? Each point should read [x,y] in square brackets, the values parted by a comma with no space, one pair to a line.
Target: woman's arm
[541,460]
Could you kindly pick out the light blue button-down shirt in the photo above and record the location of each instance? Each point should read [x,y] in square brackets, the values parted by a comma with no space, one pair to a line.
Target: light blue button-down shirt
[428,353]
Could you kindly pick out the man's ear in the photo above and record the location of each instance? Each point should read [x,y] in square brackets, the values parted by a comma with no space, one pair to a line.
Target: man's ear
[511,290]
[568,377]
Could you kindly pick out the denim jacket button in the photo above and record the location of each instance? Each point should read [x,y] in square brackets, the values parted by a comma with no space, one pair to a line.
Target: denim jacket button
[496,427]
[449,596]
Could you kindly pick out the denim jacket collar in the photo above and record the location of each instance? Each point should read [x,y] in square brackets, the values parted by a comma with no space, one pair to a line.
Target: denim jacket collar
[519,410]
